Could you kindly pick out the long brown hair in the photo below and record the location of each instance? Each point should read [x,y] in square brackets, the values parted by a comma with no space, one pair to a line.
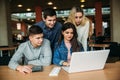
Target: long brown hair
[74,42]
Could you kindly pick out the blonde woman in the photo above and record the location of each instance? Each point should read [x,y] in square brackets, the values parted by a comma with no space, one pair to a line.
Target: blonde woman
[82,24]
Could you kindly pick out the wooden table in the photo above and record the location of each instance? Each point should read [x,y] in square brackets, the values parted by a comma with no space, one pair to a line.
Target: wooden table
[7,49]
[110,72]
[99,45]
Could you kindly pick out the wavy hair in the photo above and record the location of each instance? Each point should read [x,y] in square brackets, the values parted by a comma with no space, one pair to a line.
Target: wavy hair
[74,42]
[71,17]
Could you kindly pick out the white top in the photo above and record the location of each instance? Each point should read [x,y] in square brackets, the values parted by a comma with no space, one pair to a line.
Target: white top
[83,34]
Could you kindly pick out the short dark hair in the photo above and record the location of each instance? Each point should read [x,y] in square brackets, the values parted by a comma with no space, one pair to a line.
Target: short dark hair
[34,29]
[48,12]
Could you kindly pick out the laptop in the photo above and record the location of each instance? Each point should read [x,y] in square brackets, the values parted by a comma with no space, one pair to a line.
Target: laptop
[87,61]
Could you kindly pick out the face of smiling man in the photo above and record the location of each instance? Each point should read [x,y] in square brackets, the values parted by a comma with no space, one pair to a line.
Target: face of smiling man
[50,21]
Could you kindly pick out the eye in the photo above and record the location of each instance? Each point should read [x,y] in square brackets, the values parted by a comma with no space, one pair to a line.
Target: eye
[49,20]
[80,16]
[67,32]
[76,17]
[71,33]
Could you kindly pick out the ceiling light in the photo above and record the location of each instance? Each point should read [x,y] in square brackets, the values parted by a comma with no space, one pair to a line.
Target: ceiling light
[82,0]
[50,3]
[82,5]
[28,18]
[20,5]
[32,20]
[28,9]
[54,7]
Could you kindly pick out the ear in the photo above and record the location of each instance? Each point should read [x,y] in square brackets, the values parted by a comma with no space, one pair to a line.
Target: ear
[30,37]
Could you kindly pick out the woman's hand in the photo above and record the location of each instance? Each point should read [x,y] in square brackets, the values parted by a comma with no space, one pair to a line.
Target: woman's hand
[66,64]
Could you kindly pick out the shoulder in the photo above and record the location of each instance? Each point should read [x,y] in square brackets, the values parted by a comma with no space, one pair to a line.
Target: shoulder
[58,24]
[46,41]
[24,44]
[41,23]
[61,44]
[57,46]
[87,22]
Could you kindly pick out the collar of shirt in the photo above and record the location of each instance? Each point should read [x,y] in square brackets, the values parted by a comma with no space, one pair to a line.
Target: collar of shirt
[33,46]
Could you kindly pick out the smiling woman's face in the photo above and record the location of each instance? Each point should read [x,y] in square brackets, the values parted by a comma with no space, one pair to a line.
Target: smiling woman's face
[68,34]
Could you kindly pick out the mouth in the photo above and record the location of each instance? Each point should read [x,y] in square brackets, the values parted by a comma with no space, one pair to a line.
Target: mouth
[69,38]
[51,25]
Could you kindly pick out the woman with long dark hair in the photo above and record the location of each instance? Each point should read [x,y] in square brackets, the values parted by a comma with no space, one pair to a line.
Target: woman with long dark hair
[67,44]
[82,24]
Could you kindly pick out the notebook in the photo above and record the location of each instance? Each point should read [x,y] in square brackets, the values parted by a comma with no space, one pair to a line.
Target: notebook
[87,61]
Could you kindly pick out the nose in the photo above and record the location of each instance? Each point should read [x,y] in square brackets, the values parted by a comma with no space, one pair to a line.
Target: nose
[69,35]
[41,40]
[79,19]
[52,22]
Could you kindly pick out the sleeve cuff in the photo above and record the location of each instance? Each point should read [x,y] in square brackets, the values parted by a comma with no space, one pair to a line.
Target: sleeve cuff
[61,62]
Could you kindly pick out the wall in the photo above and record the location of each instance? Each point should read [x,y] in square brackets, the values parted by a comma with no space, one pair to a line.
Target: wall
[5,28]
[115,20]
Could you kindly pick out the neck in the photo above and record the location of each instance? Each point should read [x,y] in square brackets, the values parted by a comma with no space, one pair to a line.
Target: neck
[66,41]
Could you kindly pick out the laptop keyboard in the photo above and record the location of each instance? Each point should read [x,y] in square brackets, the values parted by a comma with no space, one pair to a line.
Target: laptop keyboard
[66,68]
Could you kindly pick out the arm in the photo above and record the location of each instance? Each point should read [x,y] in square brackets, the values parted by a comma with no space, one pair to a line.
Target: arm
[85,36]
[56,57]
[57,35]
[45,55]
[58,32]
[58,61]
[90,29]
[17,58]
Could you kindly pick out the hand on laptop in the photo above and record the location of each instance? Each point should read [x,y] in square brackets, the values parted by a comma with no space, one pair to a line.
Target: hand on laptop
[66,64]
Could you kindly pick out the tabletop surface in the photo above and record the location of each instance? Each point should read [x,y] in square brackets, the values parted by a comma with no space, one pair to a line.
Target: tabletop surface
[110,72]
[8,48]
[99,45]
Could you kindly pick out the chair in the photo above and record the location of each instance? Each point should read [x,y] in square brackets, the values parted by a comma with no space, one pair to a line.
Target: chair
[114,49]
[114,54]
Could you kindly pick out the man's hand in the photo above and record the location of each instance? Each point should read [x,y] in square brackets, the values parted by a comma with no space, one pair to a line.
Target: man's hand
[25,69]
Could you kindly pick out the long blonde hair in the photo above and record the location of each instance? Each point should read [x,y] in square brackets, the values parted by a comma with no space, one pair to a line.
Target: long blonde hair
[71,17]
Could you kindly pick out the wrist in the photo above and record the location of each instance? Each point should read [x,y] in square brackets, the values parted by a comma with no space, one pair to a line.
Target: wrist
[19,68]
